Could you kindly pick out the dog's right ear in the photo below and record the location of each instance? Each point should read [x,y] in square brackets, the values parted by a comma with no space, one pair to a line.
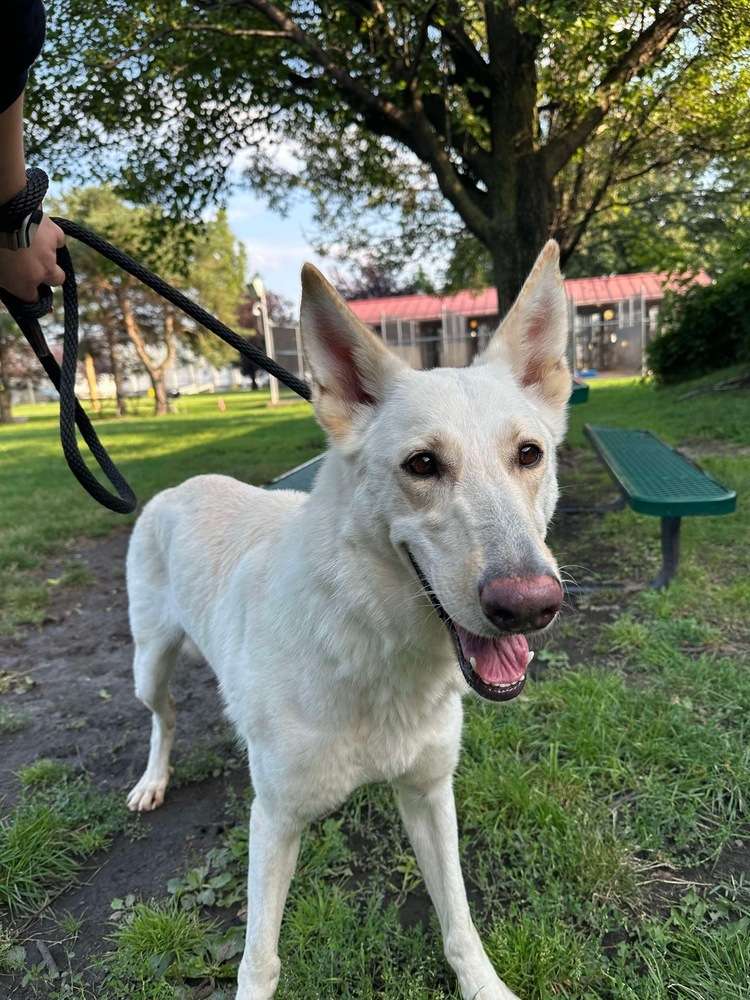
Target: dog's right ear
[350,366]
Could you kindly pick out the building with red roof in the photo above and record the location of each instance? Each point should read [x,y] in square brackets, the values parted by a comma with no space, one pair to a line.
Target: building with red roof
[611,321]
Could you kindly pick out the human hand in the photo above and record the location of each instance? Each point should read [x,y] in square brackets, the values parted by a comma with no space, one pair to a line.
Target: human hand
[22,271]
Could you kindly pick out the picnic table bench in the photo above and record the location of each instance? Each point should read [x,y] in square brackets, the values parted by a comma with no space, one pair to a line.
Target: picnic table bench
[579,392]
[656,479]
[300,478]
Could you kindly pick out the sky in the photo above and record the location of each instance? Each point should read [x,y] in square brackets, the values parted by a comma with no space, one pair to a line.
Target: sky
[277,247]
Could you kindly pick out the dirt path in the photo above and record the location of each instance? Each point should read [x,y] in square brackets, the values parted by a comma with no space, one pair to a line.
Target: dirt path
[75,682]
[71,684]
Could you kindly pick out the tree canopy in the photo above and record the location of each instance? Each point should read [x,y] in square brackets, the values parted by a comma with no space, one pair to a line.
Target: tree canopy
[707,327]
[507,120]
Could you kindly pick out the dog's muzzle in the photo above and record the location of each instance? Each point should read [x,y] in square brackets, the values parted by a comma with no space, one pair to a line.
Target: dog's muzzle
[493,667]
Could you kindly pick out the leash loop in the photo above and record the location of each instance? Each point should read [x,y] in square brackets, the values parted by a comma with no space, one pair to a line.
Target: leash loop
[63,378]
[72,413]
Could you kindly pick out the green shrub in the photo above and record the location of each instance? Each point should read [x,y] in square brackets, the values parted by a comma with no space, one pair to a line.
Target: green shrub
[706,328]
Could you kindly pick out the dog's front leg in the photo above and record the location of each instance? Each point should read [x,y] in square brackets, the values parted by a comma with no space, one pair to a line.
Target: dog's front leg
[273,856]
[429,815]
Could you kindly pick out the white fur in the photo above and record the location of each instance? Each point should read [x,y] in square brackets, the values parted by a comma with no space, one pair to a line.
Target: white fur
[333,664]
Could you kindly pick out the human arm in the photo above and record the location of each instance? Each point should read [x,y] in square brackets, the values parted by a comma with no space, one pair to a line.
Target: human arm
[22,271]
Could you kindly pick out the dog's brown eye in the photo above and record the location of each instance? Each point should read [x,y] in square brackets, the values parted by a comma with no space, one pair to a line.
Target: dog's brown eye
[529,454]
[422,464]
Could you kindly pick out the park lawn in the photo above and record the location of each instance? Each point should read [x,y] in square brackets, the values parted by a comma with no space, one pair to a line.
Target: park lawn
[603,814]
[712,429]
[43,509]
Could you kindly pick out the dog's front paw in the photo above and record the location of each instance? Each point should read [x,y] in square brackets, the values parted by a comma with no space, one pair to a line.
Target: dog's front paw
[259,981]
[492,991]
[149,793]
[504,994]
[484,984]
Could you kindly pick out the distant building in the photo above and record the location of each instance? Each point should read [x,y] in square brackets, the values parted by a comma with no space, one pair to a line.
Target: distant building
[611,320]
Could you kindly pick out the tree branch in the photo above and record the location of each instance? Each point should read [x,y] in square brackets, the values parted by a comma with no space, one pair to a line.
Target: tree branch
[231,32]
[644,52]
[469,62]
[409,126]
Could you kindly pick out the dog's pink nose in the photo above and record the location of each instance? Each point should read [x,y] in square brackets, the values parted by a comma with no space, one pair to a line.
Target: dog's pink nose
[516,605]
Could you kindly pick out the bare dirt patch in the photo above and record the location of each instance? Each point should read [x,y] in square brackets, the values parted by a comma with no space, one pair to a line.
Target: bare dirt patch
[70,690]
[74,683]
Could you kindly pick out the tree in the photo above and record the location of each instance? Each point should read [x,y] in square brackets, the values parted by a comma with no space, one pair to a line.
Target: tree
[517,115]
[374,281]
[673,221]
[17,364]
[210,264]
[707,327]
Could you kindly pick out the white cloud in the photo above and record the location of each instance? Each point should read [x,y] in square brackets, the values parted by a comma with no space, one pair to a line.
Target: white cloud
[276,245]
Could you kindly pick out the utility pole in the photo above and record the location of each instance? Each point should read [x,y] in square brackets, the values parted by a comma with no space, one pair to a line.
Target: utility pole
[257,291]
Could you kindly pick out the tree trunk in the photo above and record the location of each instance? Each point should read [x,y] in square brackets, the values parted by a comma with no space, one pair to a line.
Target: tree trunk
[88,363]
[520,229]
[521,192]
[155,373]
[6,415]
[114,363]
[161,403]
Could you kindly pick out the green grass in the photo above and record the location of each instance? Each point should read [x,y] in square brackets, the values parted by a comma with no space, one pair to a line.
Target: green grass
[599,812]
[43,510]
[12,722]
[153,940]
[58,823]
[631,403]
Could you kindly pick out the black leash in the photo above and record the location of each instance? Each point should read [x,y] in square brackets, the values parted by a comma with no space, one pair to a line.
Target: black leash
[63,377]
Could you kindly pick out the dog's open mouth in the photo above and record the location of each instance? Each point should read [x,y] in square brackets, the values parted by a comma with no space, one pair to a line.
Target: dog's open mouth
[494,668]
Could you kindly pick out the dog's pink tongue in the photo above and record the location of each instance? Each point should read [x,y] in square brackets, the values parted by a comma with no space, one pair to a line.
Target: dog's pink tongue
[498,661]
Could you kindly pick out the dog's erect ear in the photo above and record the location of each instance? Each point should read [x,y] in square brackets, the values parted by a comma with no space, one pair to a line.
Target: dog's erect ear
[533,337]
[350,366]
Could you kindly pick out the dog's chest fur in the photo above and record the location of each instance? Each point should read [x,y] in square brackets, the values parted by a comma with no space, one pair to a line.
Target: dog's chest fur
[334,723]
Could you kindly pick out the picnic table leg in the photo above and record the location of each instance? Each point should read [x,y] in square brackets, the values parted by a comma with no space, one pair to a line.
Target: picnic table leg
[670,551]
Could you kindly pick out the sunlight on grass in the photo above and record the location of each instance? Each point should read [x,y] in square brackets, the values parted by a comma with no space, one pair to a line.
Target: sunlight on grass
[43,510]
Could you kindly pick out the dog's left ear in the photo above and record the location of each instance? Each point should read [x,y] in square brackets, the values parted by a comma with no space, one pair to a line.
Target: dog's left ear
[533,337]
[350,366]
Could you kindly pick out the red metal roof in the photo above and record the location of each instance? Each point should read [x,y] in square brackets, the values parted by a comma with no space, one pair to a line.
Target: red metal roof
[425,307]
[601,291]
[582,291]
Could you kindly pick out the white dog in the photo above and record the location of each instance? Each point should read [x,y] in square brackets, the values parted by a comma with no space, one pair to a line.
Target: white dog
[346,626]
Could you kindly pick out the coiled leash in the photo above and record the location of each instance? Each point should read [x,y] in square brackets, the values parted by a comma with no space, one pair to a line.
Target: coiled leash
[21,216]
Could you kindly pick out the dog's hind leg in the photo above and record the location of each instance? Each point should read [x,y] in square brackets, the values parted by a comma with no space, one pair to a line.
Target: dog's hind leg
[429,815]
[153,666]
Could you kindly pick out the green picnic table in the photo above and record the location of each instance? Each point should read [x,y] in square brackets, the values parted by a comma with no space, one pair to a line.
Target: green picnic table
[655,479]
[579,392]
